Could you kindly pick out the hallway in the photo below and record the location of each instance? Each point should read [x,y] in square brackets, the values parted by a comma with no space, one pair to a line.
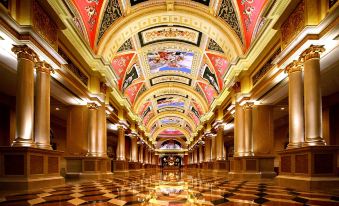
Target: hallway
[153,187]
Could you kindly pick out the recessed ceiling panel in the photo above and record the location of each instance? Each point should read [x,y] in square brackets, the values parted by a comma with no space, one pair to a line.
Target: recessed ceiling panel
[205,2]
[135,2]
[170,33]
[171,78]
[170,60]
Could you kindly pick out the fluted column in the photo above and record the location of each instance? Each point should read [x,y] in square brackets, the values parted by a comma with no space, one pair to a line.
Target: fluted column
[312,95]
[92,129]
[238,131]
[24,96]
[219,142]
[134,148]
[121,143]
[248,138]
[295,105]
[207,149]
[42,105]
[201,153]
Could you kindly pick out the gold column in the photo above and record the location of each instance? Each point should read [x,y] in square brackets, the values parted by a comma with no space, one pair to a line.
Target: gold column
[92,129]
[248,138]
[190,156]
[238,131]
[42,109]
[141,153]
[24,96]
[207,149]
[219,142]
[102,132]
[121,143]
[201,153]
[296,106]
[213,147]
[224,152]
[146,155]
[134,148]
[195,155]
[312,95]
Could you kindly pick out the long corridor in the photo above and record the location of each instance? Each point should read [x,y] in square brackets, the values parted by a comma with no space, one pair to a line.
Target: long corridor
[152,187]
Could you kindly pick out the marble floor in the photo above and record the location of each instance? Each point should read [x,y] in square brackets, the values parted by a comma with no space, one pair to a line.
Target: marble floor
[169,188]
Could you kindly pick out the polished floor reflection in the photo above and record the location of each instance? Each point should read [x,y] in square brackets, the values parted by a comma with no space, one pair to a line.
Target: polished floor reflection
[169,188]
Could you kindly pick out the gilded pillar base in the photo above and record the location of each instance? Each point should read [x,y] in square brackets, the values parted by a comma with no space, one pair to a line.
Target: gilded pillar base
[309,168]
[33,168]
[293,145]
[134,166]
[317,141]
[223,165]
[44,146]
[80,167]
[252,167]
[19,142]
[120,166]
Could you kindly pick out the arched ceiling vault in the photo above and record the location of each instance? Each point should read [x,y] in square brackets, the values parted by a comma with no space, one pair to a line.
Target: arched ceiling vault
[152,17]
[170,58]
[183,131]
[169,114]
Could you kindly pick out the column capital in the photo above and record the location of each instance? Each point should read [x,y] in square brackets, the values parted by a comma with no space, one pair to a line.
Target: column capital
[42,66]
[294,66]
[248,105]
[92,105]
[24,52]
[312,52]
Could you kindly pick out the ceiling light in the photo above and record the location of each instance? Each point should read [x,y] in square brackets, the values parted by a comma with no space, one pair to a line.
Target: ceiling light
[57,108]
[282,108]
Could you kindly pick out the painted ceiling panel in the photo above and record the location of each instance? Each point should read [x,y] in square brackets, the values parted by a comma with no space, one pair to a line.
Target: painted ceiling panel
[208,91]
[220,65]
[249,13]
[163,69]
[174,132]
[120,64]
[132,91]
[90,12]
[111,14]
[228,13]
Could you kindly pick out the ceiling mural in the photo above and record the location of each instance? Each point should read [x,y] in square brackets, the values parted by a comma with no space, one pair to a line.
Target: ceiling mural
[111,13]
[174,132]
[89,11]
[132,91]
[214,46]
[126,46]
[170,70]
[249,13]
[120,65]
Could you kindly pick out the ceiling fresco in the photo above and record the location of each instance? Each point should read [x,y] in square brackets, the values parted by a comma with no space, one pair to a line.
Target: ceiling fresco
[170,74]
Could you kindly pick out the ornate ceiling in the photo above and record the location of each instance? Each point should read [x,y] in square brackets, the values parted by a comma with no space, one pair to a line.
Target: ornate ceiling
[170,65]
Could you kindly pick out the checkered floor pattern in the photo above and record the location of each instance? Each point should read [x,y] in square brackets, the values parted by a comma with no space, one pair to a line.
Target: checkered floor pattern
[169,188]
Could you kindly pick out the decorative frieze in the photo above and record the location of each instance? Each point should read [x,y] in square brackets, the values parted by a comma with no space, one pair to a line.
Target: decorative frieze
[72,68]
[264,69]
[44,25]
[294,24]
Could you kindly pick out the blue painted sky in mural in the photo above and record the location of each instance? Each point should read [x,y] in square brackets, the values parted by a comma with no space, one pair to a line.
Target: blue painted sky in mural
[170,60]
[171,104]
